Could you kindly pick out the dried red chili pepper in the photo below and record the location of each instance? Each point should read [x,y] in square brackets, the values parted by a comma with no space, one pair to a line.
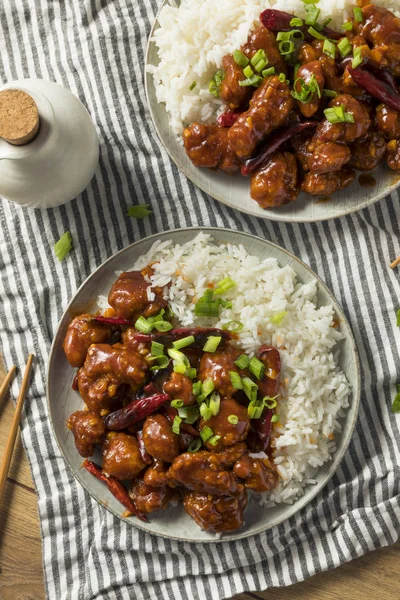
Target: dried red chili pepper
[145,456]
[115,487]
[376,87]
[113,320]
[228,119]
[278,20]
[133,412]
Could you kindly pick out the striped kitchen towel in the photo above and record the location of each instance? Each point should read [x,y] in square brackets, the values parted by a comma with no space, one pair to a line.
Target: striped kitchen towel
[96,49]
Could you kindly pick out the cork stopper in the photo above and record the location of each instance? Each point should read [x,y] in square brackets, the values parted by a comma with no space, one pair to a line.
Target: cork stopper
[19,117]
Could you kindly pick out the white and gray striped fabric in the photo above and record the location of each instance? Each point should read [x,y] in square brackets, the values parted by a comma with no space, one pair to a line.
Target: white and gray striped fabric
[96,49]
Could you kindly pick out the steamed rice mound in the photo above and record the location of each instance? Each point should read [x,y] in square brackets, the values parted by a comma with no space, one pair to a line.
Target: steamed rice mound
[274,309]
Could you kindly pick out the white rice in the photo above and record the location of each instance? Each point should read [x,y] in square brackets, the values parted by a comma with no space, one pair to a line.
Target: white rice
[314,391]
[193,38]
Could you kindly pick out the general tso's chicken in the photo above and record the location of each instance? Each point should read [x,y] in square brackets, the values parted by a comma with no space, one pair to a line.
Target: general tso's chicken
[121,456]
[381,28]
[81,333]
[216,514]
[327,157]
[341,83]
[159,439]
[88,429]
[128,296]
[258,474]
[367,153]
[325,184]
[208,146]
[311,71]
[231,454]
[308,53]
[263,39]
[216,366]
[228,432]
[180,387]
[388,121]
[349,132]
[105,370]
[203,472]
[149,499]
[156,474]
[275,183]
[234,95]
[393,155]
[269,108]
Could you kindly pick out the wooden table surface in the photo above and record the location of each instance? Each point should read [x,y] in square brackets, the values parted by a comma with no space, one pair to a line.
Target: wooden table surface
[21,578]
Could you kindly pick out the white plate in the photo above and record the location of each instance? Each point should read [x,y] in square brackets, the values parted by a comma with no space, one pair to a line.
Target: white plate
[62,400]
[233,190]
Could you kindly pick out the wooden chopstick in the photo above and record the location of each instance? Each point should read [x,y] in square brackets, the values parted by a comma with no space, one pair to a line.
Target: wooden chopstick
[6,382]
[14,427]
[395,263]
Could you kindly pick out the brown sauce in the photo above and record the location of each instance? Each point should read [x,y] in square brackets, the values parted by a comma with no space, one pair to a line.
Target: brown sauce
[367,180]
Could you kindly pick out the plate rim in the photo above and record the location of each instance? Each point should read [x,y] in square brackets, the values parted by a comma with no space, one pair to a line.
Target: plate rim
[303,501]
[273,216]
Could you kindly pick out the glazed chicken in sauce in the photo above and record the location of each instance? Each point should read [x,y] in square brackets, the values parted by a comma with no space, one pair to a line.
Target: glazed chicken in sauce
[172,414]
[341,86]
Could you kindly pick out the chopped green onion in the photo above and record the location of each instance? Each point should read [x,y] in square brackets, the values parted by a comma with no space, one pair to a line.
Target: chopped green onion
[157,349]
[215,402]
[312,14]
[254,80]
[310,1]
[208,296]
[178,356]
[215,83]
[396,401]
[212,343]
[162,326]
[344,47]
[180,368]
[177,403]
[206,433]
[248,71]
[306,93]
[357,50]
[192,86]
[268,72]
[278,318]
[143,325]
[257,367]
[207,387]
[176,425]
[196,388]
[139,211]
[286,47]
[318,36]
[156,318]
[183,412]
[296,22]
[194,445]
[283,36]
[233,326]
[348,117]
[326,22]
[250,388]
[162,363]
[242,362]
[183,342]
[205,411]
[240,59]
[398,318]
[191,414]
[329,93]
[236,380]
[357,60]
[224,303]
[259,61]
[282,77]
[224,285]
[329,48]
[255,410]
[348,26]
[358,14]
[233,419]
[214,440]
[191,373]
[274,418]
[269,402]
[296,34]
[63,246]
[207,309]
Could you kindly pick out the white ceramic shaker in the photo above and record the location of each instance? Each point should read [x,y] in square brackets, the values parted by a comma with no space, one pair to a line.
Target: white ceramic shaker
[51,149]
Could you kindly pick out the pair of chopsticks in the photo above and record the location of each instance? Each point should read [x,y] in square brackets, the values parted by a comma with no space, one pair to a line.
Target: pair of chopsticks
[15,422]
